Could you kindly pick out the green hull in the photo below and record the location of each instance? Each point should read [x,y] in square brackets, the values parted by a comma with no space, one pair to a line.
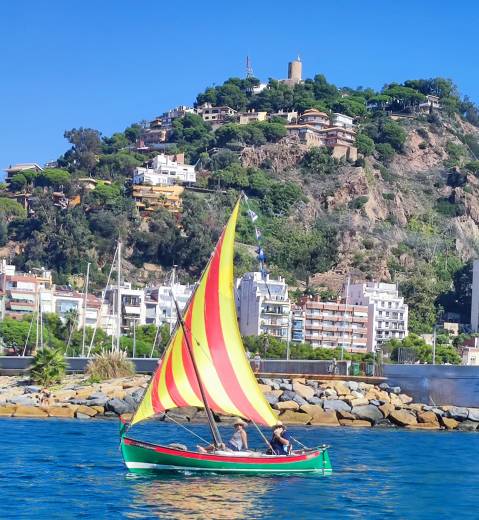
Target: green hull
[142,457]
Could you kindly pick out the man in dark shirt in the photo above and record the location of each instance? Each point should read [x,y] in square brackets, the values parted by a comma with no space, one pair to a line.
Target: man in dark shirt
[280,442]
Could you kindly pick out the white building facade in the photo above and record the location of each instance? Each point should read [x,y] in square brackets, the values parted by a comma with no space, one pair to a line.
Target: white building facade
[164,170]
[263,306]
[160,305]
[475,297]
[387,312]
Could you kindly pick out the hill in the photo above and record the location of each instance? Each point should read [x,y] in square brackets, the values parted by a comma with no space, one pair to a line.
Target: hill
[406,210]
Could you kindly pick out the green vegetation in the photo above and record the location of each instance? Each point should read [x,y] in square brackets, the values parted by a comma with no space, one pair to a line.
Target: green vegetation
[274,348]
[49,367]
[108,365]
[445,353]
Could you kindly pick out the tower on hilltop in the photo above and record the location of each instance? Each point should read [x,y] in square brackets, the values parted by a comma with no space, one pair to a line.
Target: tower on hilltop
[295,71]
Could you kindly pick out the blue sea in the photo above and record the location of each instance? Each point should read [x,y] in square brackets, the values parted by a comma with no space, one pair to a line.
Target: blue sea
[73,469]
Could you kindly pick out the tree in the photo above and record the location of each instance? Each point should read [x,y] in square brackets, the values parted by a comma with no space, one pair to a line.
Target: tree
[54,177]
[17,182]
[318,161]
[49,367]
[364,144]
[86,146]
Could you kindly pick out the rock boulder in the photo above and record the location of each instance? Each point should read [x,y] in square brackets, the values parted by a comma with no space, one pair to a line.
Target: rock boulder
[402,417]
[336,404]
[292,417]
[367,412]
[306,392]
[326,418]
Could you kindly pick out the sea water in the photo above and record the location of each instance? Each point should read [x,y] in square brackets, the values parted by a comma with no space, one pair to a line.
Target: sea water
[65,469]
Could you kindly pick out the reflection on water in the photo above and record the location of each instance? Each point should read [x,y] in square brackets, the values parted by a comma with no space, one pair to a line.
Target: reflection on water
[207,496]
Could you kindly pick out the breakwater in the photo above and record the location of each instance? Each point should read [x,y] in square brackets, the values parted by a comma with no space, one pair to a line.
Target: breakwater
[296,401]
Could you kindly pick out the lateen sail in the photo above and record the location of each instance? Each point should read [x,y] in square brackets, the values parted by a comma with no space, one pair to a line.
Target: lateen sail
[212,327]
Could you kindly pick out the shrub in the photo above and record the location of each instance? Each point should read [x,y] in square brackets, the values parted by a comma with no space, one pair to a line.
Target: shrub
[422,146]
[364,144]
[385,173]
[49,366]
[108,365]
[422,132]
[359,202]
[388,196]
[386,151]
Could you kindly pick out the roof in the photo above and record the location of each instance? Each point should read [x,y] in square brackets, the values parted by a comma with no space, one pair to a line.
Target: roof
[315,112]
[20,167]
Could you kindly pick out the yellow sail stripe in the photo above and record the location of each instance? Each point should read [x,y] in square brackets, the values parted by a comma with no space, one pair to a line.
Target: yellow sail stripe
[145,409]
[181,380]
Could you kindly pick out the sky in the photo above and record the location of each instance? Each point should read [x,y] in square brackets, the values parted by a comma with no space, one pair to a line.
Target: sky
[106,64]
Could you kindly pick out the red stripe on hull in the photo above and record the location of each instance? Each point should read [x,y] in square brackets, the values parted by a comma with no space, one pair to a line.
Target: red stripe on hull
[221,458]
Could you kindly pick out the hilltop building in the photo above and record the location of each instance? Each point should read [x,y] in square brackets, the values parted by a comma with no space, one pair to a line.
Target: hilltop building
[165,170]
[335,325]
[252,117]
[263,306]
[214,115]
[388,314]
[316,128]
[150,198]
[21,167]
[295,72]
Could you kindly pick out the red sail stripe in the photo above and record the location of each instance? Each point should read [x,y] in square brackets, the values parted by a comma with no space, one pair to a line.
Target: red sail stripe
[188,364]
[171,385]
[216,342]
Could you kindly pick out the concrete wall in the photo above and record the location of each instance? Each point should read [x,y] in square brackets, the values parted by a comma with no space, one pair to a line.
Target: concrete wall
[10,365]
[437,384]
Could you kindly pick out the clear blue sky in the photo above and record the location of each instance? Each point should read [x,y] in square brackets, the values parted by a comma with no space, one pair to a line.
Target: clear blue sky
[106,64]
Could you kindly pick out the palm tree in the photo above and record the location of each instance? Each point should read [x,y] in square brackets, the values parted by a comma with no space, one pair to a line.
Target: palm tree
[49,366]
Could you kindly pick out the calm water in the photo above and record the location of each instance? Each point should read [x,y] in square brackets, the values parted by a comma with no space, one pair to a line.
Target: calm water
[72,469]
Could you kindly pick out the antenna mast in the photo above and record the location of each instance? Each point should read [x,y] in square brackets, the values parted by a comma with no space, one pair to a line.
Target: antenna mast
[249,68]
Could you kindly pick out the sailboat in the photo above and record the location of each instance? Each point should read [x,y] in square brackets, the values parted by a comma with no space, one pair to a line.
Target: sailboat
[205,366]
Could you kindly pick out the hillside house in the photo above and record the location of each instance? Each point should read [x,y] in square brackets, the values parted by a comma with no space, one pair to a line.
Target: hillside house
[217,116]
[252,117]
[150,198]
[165,170]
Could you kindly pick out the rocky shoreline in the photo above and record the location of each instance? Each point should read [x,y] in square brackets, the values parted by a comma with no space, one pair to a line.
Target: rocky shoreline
[297,401]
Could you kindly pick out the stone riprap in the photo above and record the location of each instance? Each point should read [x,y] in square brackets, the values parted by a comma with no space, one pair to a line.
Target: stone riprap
[295,401]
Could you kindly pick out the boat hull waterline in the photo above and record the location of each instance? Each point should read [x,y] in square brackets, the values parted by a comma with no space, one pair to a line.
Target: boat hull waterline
[143,457]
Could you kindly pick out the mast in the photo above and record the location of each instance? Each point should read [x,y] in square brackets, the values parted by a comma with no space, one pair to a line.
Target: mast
[85,297]
[173,272]
[209,414]
[346,316]
[118,298]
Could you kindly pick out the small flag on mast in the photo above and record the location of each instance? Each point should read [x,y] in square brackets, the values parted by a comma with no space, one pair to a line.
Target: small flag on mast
[252,215]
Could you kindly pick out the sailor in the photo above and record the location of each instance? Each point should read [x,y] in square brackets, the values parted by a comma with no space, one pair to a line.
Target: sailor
[280,442]
[238,441]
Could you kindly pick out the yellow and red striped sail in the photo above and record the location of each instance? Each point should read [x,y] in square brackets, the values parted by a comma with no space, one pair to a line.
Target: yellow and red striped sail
[212,327]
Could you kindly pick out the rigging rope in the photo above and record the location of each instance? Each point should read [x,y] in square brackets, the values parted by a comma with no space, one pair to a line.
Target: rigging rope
[187,429]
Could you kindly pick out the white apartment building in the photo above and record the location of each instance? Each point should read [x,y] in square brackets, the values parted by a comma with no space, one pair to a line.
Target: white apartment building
[341,120]
[132,308]
[160,306]
[263,306]
[164,170]
[475,297]
[388,314]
